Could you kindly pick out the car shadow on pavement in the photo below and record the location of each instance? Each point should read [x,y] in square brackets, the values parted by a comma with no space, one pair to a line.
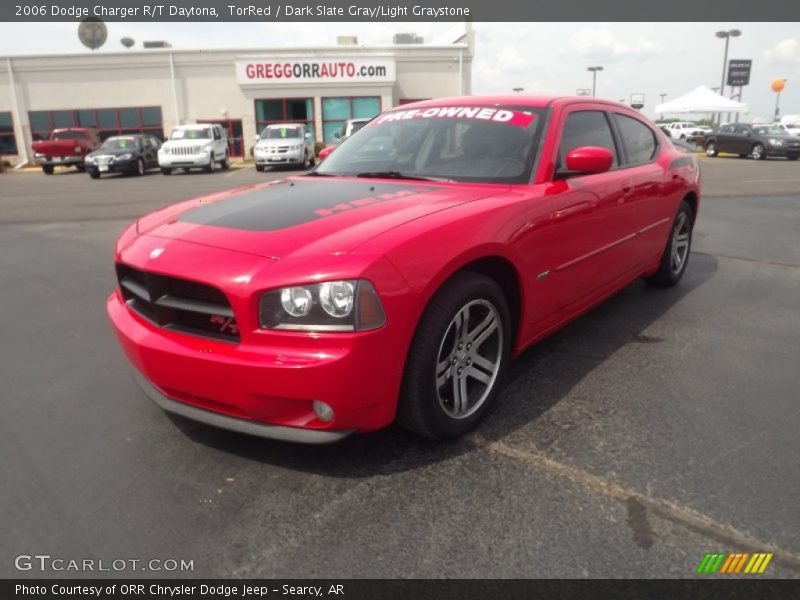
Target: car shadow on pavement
[590,341]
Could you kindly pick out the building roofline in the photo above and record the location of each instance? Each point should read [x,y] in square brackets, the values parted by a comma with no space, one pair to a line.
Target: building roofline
[246,50]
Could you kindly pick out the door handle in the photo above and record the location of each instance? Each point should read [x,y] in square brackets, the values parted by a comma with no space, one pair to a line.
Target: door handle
[627,186]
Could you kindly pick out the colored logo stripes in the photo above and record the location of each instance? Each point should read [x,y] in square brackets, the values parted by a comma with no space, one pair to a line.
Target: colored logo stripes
[734,563]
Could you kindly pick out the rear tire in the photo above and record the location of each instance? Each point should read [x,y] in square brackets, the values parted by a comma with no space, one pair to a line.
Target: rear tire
[457,358]
[48,169]
[226,162]
[759,152]
[260,168]
[139,167]
[166,171]
[676,254]
[711,149]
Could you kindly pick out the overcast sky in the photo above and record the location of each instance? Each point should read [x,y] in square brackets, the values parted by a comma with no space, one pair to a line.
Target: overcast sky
[542,58]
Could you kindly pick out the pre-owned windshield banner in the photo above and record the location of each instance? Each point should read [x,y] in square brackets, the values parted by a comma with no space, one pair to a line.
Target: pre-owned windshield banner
[398,10]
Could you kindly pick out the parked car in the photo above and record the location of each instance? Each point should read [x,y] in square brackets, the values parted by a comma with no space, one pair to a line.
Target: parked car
[351,126]
[758,141]
[681,129]
[398,278]
[788,128]
[289,144]
[132,154]
[195,146]
[65,147]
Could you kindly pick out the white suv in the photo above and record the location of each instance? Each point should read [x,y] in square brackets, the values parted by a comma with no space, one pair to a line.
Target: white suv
[189,146]
[681,129]
[284,144]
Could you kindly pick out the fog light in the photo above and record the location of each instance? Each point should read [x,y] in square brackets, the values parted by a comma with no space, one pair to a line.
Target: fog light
[323,411]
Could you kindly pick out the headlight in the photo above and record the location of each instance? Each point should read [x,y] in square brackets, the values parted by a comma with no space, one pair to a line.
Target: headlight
[350,305]
[126,156]
[89,159]
[164,150]
[774,142]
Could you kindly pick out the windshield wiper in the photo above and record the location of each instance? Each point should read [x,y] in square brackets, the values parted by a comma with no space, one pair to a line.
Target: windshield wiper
[398,175]
[318,174]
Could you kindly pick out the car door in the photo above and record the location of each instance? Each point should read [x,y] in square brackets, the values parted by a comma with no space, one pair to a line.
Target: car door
[725,139]
[744,139]
[647,207]
[591,233]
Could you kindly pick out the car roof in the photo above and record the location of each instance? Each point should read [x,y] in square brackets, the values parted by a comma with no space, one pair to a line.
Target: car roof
[509,100]
[283,125]
[194,125]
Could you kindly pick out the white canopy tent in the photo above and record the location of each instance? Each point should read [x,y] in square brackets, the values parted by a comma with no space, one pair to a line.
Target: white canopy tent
[700,100]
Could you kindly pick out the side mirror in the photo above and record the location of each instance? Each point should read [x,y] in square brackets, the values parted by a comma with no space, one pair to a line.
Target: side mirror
[589,159]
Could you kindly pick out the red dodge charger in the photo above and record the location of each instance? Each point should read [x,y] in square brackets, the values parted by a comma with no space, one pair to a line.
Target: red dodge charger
[397,279]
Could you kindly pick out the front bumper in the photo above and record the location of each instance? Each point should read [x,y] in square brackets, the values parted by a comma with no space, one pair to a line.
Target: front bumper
[275,432]
[118,166]
[275,158]
[171,161]
[264,388]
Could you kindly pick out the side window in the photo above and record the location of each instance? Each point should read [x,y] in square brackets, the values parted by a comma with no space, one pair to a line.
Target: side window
[586,128]
[726,129]
[217,133]
[637,139]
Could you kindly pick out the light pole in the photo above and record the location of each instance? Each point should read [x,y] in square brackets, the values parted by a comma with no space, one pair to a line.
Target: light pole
[725,35]
[662,96]
[778,86]
[594,71]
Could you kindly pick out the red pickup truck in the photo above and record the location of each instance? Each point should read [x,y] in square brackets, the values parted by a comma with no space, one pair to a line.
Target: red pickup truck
[65,147]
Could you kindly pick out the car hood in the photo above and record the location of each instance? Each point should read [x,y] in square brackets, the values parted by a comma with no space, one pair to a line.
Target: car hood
[307,216]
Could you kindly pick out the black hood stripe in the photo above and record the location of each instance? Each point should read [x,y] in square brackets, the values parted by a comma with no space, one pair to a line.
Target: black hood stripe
[288,204]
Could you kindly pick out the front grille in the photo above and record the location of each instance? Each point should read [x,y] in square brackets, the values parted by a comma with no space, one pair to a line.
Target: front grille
[186,150]
[178,304]
[104,159]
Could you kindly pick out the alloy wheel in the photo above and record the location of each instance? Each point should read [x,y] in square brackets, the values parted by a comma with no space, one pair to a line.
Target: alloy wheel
[680,243]
[469,359]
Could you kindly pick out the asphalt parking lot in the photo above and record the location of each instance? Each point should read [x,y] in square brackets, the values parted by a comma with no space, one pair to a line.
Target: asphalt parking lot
[660,426]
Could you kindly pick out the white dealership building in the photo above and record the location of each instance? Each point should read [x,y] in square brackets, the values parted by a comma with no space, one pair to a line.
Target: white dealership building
[244,90]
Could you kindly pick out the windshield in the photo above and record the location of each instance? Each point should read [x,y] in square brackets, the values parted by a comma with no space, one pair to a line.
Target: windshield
[462,143]
[120,143]
[279,133]
[203,133]
[769,131]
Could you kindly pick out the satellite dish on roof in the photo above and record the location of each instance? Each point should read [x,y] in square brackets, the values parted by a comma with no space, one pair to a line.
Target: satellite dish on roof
[92,32]
[127,42]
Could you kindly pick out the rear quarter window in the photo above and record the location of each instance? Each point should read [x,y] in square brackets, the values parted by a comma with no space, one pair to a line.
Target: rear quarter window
[638,139]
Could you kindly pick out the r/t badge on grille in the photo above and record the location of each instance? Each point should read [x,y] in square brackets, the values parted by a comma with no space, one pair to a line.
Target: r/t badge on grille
[156,252]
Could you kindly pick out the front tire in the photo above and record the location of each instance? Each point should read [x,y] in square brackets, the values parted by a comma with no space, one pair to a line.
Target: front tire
[260,168]
[94,174]
[212,164]
[48,169]
[139,167]
[676,254]
[226,162]
[166,171]
[457,358]
[759,152]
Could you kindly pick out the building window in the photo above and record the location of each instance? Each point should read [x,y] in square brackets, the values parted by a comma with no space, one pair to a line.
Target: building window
[285,110]
[335,111]
[108,121]
[8,142]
